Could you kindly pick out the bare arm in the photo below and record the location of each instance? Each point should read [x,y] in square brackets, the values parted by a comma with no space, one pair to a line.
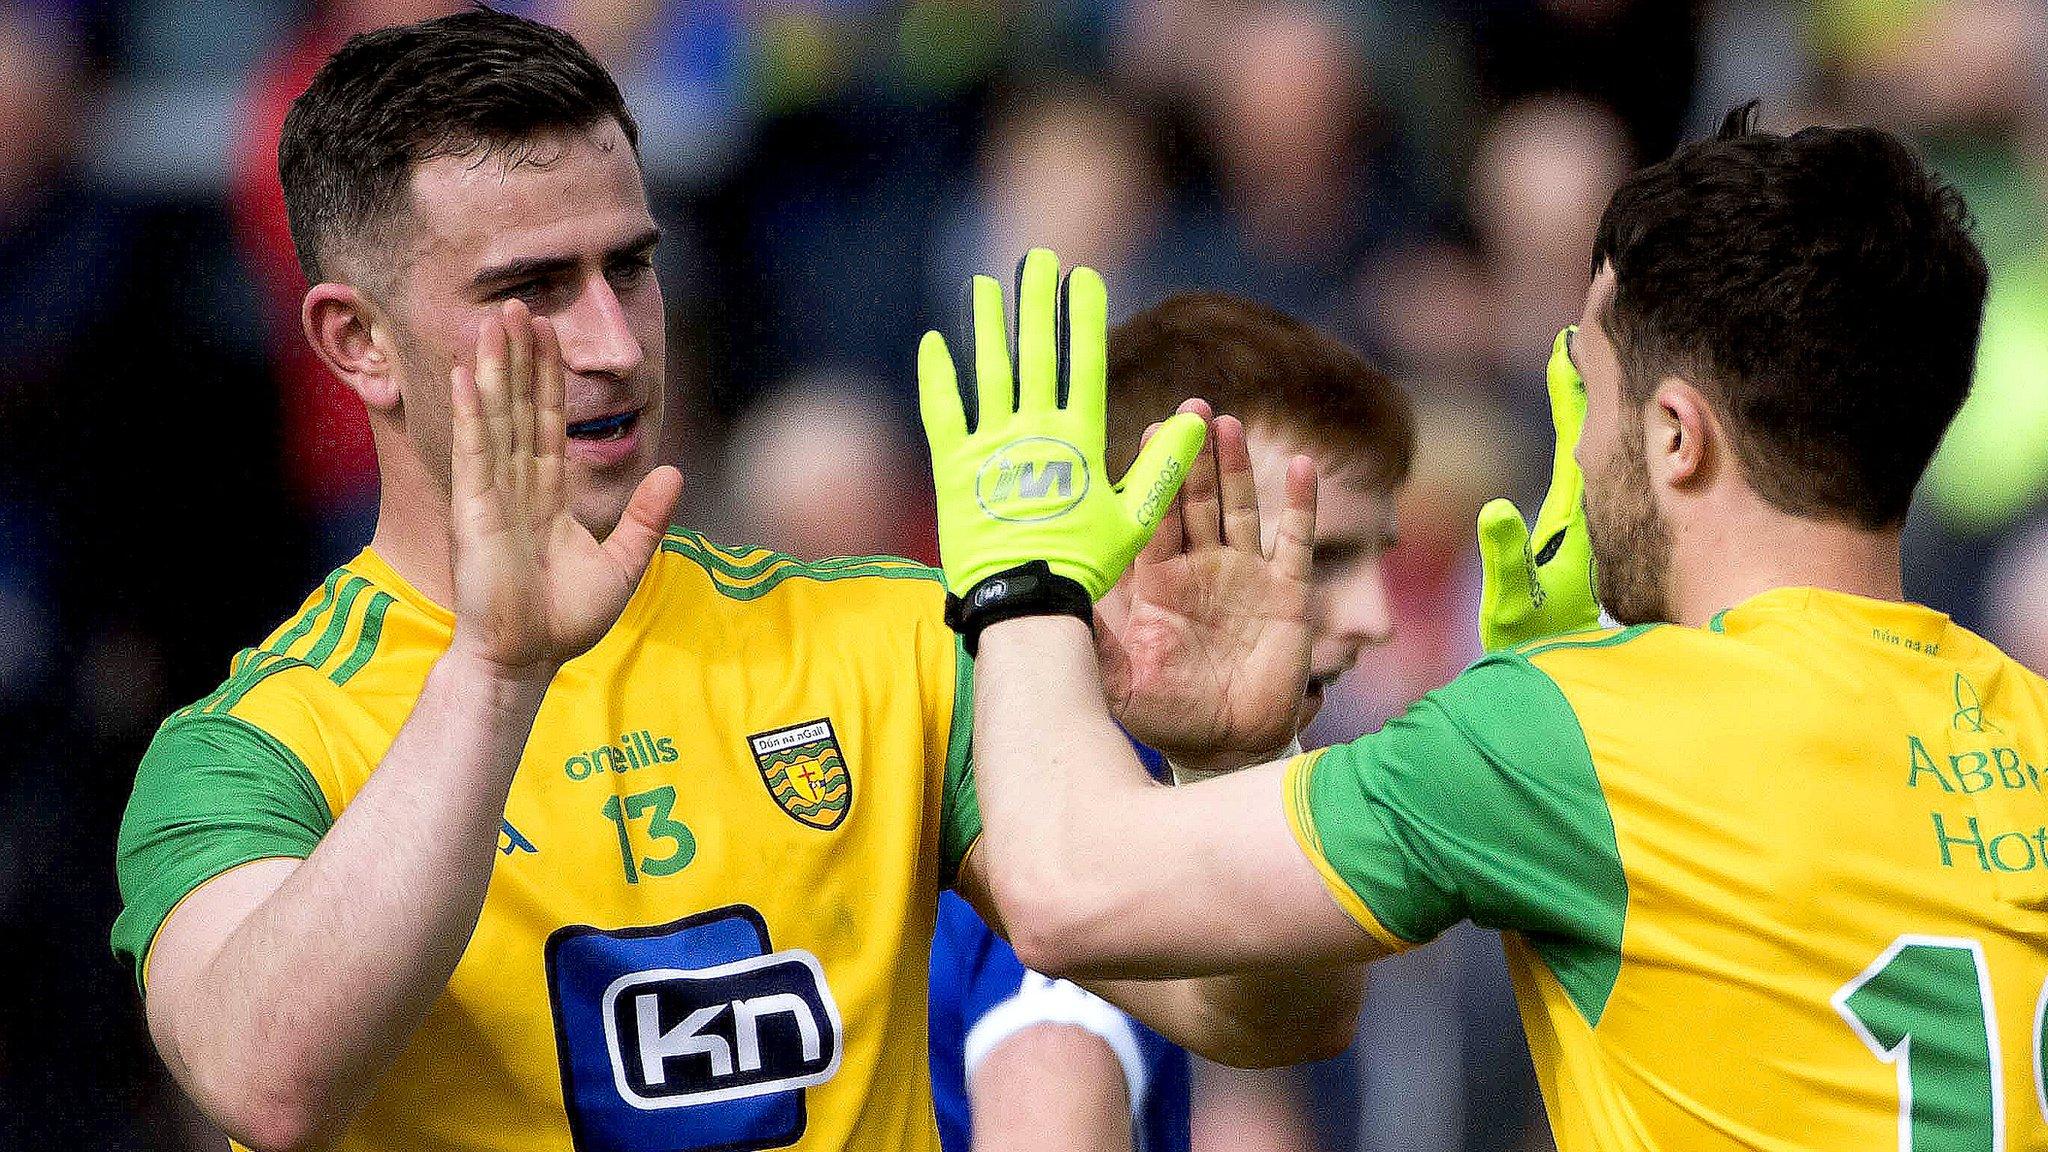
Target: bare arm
[1098,873]
[1050,1088]
[278,992]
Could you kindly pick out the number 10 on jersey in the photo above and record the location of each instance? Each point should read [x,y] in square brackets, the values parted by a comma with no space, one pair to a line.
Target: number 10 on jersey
[1925,1006]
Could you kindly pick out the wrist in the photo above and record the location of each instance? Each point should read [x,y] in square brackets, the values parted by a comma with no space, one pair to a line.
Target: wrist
[1195,769]
[1026,590]
[496,682]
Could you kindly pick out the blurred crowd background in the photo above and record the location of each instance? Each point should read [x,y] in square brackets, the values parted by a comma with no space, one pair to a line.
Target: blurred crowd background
[1420,177]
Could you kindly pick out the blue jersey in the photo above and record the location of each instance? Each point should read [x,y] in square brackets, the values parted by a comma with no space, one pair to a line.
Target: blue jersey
[981,995]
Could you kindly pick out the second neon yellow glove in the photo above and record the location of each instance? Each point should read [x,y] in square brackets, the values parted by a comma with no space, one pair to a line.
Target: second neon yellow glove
[1019,465]
[1539,582]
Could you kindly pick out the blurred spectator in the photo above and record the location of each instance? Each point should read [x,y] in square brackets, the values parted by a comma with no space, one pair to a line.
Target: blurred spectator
[817,470]
[1969,80]
[1310,178]
[2018,610]
[1067,165]
[1635,55]
[326,448]
[137,429]
[1545,168]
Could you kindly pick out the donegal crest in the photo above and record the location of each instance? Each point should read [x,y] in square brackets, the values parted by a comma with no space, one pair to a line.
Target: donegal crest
[805,772]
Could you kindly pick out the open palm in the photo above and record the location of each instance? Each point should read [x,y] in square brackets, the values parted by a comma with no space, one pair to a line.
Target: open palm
[1204,644]
[533,587]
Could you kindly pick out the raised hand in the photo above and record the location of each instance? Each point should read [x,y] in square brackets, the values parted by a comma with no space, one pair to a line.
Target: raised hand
[1539,582]
[1204,645]
[1024,480]
[533,587]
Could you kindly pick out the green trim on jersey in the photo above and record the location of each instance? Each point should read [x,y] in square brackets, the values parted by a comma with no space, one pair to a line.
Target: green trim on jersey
[304,627]
[366,640]
[337,624]
[738,579]
[1603,639]
[960,804]
[214,792]
[1482,803]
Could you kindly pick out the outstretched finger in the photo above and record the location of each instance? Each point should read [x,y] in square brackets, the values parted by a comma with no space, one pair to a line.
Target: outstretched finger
[520,383]
[470,453]
[1200,512]
[646,519]
[1294,543]
[550,427]
[1167,540]
[1238,489]
[493,393]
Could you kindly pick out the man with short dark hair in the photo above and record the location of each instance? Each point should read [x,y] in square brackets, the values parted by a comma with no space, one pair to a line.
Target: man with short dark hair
[1023,1062]
[1770,861]
[542,824]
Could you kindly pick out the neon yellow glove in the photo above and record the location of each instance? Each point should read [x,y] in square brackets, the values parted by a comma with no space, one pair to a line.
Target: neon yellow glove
[1023,477]
[1546,589]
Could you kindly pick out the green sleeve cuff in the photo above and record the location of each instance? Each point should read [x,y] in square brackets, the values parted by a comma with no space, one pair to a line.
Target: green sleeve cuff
[1480,803]
[959,806]
[213,792]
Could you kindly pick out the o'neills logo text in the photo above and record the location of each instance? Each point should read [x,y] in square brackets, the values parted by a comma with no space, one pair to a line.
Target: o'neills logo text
[634,750]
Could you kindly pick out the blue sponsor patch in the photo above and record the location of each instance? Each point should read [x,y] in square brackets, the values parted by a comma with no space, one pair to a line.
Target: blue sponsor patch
[689,1037]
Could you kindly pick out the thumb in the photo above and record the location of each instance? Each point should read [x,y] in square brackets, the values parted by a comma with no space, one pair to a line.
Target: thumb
[631,545]
[1508,585]
[1148,489]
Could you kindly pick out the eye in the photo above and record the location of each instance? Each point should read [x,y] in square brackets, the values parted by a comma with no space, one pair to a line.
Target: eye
[630,272]
[530,291]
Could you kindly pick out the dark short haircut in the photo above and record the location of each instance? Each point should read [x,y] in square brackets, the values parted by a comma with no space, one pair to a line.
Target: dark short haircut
[1264,367]
[390,100]
[1821,288]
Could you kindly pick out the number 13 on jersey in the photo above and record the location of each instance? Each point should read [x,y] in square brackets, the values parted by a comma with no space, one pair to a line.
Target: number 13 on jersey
[1925,1006]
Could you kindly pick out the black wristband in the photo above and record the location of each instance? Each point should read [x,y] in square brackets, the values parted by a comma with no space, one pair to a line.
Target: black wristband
[1032,589]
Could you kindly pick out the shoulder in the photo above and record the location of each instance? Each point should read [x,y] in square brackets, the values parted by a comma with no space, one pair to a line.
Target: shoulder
[743,575]
[854,607]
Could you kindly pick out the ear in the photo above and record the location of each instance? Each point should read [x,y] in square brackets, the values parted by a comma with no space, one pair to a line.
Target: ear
[1680,434]
[348,332]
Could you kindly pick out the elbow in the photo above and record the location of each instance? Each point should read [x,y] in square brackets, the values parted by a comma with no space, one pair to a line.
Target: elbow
[269,1127]
[1047,917]
[1318,1022]
[1281,1047]
[1045,935]
[262,1112]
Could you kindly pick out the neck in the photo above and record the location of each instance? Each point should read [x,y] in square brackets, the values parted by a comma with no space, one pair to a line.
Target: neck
[1722,563]
[412,522]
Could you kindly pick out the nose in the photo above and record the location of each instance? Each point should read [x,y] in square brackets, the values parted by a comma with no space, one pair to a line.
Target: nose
[596,338]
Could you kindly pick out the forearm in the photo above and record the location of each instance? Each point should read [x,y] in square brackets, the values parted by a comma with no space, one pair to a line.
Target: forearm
[1053,773]
[1096,871]
[1050,1087]
[1259,1018]
[304,1001]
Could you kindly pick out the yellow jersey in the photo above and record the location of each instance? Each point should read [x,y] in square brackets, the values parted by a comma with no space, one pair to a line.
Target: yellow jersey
[708,922]
[1779,883]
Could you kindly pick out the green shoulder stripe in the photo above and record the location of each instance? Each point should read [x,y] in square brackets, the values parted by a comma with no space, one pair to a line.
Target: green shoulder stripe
[310,616]
[1482,802]
[738,579]
[337,624]
[260,668]
[366,640]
